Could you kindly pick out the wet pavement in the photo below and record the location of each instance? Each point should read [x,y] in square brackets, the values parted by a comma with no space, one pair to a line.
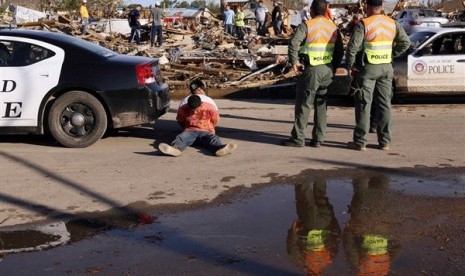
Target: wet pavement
[344,222]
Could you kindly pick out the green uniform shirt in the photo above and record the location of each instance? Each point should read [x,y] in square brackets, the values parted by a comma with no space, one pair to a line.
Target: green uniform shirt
[299,38]
[355,46]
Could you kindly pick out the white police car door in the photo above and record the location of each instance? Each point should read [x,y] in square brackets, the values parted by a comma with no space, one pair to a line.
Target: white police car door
[25,78]
[440,67]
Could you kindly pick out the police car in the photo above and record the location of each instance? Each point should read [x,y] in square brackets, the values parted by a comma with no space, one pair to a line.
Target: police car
[434,64]
[74,89]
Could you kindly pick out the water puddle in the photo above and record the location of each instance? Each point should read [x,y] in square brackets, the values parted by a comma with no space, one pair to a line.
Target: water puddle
[316,223]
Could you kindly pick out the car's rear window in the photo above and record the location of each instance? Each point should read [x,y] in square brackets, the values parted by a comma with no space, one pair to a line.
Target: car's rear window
[428,13]
[95,48]
[89,46]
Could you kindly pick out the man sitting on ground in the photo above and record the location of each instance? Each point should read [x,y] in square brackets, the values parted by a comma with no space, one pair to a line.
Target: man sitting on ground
[198,119]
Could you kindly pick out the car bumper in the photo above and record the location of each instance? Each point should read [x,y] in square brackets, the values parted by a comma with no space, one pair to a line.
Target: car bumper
[161,99]
[137,106]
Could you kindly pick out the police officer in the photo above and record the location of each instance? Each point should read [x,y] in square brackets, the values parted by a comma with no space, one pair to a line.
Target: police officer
[376,39]
[318,44]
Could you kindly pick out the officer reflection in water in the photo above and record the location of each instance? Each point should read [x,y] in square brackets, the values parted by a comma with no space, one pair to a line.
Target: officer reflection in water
[314,236]
[367,237]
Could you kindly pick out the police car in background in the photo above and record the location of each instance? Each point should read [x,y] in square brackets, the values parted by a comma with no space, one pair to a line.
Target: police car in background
[434,65]
[74,89]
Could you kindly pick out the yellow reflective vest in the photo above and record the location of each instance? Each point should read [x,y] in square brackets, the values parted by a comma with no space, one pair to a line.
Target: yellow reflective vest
[321,37]
[239,19]
[380,32]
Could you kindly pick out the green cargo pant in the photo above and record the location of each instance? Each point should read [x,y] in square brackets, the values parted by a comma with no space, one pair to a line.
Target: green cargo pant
[311,93]
[375,82]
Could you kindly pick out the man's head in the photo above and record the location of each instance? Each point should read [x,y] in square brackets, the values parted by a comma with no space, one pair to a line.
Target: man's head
[194,102]
[280,3]
[260,3]
[157,4]
[374,7]
[318,7]
[84,1]
[374,3]
[197,86]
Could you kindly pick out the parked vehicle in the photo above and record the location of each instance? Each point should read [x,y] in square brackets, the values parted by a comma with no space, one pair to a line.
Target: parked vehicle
[418,19]
[434,64]
[74,89]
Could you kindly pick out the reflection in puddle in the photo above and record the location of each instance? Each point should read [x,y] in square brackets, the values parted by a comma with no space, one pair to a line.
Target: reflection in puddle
[361,223]
[34,238]
[315,236]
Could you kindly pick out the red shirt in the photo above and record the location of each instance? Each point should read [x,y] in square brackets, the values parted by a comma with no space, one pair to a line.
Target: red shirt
[199,120]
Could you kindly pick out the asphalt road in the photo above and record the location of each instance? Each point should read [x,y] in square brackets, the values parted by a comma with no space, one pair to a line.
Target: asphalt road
[39,180]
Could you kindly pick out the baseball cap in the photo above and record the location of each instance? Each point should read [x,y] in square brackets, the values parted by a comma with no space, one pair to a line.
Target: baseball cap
[196,83]
[374,3]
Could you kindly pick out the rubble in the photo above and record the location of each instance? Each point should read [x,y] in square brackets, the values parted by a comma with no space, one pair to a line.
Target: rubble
[195,50]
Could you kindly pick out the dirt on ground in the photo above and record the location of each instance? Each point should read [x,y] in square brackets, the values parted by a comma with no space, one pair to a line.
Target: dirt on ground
[42,181]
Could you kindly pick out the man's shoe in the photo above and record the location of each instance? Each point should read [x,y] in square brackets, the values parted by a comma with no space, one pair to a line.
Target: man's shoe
[384,147]
[227,149]
[315,144]
[352,145]
[291,143]
[169,150]
[372,130]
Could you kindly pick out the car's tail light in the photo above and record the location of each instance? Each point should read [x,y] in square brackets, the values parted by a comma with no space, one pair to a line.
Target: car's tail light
[414,22]
[144,73]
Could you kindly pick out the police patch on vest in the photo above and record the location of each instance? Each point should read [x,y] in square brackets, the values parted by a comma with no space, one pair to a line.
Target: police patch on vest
[381,57]
[323,58]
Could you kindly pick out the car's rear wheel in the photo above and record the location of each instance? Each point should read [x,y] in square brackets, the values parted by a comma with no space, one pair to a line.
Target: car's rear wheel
[77,119]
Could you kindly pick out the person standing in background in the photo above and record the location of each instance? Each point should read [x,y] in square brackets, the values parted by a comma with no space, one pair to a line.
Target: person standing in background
[228,17]
[156,18]
[305,13]
[84,17]
[260,17]
[133,18]
[277,18]
[239,23]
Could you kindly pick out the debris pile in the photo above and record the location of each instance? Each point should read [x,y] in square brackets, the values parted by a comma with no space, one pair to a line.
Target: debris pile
[190,51]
